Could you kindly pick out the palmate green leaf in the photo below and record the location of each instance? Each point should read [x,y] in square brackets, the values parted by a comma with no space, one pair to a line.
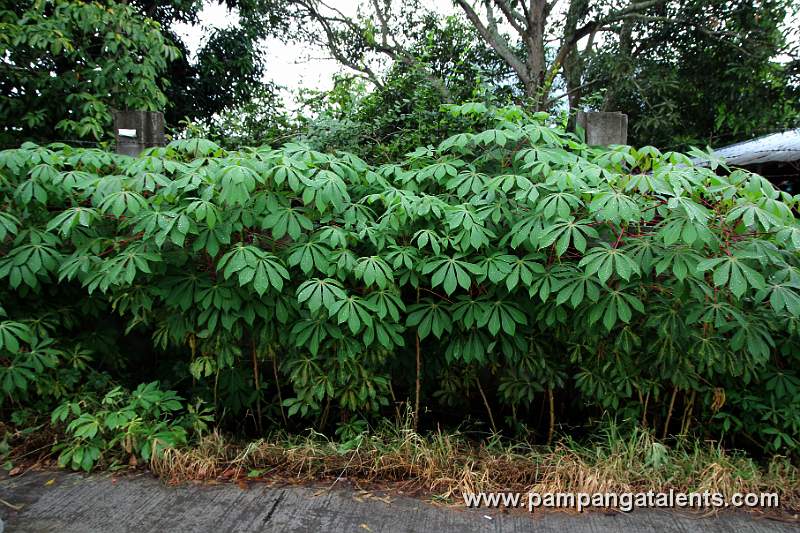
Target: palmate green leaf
[683,228]
[120,203]
[28,263]
[310,333]
[475,236]
[466,312]
[644,251]
[502,314]
[429,317]
[374,271]
[734,272]
[204,211]
[30,190]
[511,269]
[749,213]
[68,220]
[344,261]
[615,206]
[8,225]
[402,257]
[195,147]
[388,335]
[211,239]
[751,335]
[524,269]
[78,264]
[147,181]
[12,334]
[353,310]
[682,259]
[122,269]
[387,303]
[527,229]
[236,183]
[255,267]
[564,233]
[550,280]
[333,236]
[460,140]
[471,346]
[428,237]
[495,267]
[175,226]
[615,305]
[439,170]
[496,136]
[509,182]
[647,183]
[15,377]
[317,293]
[290,170]
[450,272]
[42,355]
[467,182]
[692,210]
[782,296]
[575,286]
[605,261]
[287,220]
[558,204]
[310,255]
[326,190]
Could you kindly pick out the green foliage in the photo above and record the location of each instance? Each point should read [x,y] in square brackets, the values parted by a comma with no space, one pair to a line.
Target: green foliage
[689,80]
[140,424]
[67,64]
[291,281]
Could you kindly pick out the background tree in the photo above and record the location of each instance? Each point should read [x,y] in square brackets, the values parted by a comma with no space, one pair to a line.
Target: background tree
[709,76]
[66,64]
[450,65]
[684,70]
[227,70]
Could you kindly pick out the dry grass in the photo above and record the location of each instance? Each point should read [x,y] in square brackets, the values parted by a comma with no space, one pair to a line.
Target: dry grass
[446,465]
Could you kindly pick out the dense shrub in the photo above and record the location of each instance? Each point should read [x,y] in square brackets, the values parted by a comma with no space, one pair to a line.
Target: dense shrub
[516,270]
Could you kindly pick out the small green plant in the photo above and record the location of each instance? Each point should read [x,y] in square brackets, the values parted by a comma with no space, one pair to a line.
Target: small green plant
[138,424]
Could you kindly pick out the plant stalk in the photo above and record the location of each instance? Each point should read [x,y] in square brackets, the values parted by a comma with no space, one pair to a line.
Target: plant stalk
[486,403]
[669,412]
[257,383]
[277,382]
[552,426]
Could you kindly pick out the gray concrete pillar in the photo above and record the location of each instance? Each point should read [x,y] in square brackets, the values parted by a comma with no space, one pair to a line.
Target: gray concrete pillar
[602,128]
[136,130]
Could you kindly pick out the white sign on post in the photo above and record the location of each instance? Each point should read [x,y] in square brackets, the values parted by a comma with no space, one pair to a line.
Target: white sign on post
[127,133]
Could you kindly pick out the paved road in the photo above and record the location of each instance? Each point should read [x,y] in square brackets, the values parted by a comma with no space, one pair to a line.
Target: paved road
[63,502]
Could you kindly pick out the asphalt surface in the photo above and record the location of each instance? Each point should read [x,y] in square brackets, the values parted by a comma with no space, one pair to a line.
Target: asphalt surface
[66,502]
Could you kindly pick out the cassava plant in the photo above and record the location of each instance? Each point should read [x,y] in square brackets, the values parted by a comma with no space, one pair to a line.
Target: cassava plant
[513,272]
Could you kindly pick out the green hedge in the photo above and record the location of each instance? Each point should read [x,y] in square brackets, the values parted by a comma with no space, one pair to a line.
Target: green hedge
[515,264]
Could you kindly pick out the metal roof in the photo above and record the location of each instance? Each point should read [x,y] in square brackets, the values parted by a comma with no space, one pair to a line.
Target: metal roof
[778,147]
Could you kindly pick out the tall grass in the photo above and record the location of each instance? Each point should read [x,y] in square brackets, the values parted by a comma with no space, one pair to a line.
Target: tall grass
[445,465]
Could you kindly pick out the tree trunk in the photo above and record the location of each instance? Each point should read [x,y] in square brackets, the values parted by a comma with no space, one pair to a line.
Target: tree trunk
[534,43]
[573,63]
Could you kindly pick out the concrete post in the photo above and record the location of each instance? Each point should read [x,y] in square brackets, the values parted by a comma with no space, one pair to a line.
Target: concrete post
[136,130]
[603,129]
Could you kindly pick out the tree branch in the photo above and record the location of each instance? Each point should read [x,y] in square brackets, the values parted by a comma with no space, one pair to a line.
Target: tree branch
[496,41]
